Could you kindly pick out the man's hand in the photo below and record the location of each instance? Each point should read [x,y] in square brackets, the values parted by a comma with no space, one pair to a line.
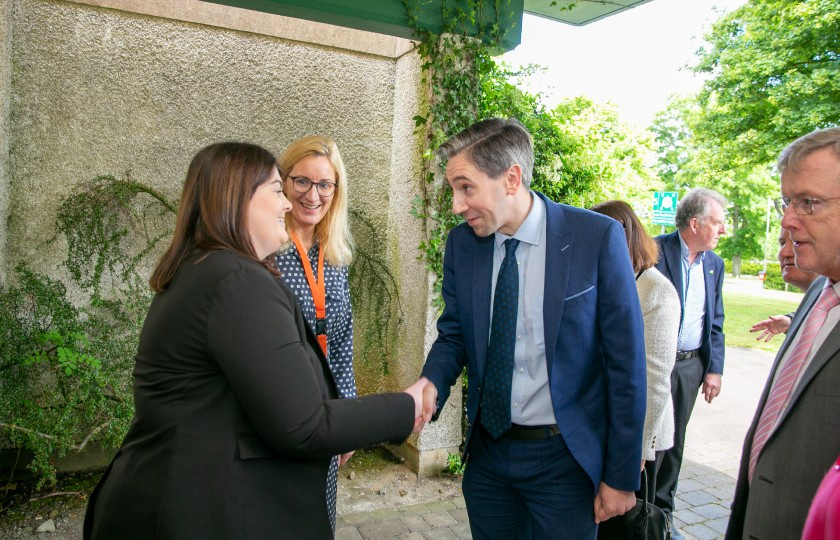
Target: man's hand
[611,502]
[776,324]
[711,386]
[425,401]
[416,392]
[344,458]
[430,394]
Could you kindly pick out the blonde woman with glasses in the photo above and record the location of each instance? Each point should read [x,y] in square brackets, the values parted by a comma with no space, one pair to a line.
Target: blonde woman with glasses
[315,262]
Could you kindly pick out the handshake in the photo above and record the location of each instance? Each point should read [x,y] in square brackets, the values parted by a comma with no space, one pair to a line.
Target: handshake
[425,402]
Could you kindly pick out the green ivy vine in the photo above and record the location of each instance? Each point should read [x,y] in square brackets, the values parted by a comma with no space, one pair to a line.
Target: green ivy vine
[454,66]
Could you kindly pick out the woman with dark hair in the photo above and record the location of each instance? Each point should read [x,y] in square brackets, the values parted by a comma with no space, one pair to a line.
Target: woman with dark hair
[236,417]
[661,313]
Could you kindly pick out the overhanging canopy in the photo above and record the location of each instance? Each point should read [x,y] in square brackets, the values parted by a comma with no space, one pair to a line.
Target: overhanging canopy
[390,17]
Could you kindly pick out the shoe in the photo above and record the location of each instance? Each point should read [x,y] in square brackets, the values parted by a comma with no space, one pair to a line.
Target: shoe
[675,534]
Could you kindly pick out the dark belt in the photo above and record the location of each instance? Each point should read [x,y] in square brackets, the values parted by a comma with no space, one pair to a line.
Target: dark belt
[685,355]
[531,433]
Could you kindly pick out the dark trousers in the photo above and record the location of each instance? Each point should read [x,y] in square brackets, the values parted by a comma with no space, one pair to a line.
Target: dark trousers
[685,384]
[517,489]
[650,469]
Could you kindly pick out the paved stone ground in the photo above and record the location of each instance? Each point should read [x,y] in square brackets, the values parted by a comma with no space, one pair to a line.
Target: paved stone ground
[707,480]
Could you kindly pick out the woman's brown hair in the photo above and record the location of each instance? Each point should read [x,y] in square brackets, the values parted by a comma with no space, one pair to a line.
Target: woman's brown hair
[644,252]
[220,182]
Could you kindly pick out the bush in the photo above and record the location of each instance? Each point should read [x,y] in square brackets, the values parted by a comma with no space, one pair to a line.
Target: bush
[774,280]
[751,268]
[64,371]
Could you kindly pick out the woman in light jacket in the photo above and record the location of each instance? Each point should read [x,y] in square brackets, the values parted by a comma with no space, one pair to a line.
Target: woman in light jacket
[661,313]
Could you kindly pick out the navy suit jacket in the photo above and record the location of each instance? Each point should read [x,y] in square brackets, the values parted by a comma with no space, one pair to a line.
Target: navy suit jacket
[594,337]
[712,343]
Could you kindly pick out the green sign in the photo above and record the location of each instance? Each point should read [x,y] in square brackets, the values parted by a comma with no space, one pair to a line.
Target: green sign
[664,207]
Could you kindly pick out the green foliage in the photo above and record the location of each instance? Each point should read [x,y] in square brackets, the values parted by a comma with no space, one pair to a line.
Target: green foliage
[101,221]
[774,69]
[561,170]
[775,75]
[453,66]
[616,155]
[374,295]
[773,279]
[64,371]
[672,140]
[751,268]
[686,160]
[454,465]
[466,85]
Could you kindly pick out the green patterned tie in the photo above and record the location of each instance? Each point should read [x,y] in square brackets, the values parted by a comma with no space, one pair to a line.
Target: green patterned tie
[495,397]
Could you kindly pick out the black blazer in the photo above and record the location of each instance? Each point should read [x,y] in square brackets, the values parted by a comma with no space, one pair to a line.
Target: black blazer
[236,418]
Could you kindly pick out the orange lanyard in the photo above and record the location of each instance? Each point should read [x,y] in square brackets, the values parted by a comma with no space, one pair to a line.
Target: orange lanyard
[318,290]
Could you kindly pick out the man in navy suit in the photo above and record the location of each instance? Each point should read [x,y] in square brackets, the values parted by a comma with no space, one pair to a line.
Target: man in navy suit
[558,448]
[686,258]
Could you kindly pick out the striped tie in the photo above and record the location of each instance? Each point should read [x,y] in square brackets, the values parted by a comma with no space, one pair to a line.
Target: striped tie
[783,385]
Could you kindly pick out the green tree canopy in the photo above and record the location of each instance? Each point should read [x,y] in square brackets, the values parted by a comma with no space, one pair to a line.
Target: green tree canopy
[775,75]
[620,155]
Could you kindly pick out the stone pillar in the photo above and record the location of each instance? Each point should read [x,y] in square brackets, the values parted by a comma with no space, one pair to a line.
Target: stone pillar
[426,453]
[5,110]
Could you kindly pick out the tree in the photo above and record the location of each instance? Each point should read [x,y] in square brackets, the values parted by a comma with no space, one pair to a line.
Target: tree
[687,160]
[561,171]
[620,156]
[672,139]
[775,75]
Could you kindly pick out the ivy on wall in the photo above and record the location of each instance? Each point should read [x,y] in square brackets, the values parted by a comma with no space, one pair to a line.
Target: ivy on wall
[454,66]
[464,85]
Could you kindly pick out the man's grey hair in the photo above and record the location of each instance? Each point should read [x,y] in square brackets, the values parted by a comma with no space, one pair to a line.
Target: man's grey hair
[493,145]
[792,156]
[695,204]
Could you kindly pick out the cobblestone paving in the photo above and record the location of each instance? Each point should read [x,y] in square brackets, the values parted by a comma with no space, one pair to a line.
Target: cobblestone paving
[707,480]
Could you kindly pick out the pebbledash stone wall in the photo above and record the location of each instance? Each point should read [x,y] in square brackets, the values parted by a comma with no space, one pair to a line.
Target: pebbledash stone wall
[108,86]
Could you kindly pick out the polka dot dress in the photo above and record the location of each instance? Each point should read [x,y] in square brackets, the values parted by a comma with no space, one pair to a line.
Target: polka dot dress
[339,330]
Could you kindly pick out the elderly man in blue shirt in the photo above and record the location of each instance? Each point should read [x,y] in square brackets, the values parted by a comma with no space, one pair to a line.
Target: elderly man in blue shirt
[686,258]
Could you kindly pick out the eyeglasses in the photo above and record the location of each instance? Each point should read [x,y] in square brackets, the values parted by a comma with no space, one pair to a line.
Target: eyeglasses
[303,184]
[804,206]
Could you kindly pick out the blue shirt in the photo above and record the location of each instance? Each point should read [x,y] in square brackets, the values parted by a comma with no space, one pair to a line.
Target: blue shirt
[694,299]
[530,402]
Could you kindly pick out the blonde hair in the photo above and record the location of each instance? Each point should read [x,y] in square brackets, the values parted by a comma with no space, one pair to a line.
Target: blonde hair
[333,231]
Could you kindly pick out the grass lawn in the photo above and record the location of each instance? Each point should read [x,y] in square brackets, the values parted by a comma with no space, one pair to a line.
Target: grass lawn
[742,311]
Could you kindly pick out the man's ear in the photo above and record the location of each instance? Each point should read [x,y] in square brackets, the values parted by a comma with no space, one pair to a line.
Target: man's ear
[694,224]
[513,178]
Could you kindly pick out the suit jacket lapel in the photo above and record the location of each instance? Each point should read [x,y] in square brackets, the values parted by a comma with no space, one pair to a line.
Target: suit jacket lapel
[481,277]
[673,263]
[558,251]
[709,282]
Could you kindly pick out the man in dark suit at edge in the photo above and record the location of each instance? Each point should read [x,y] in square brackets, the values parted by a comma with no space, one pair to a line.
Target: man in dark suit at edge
[795,434]
[556,397]
[686,258]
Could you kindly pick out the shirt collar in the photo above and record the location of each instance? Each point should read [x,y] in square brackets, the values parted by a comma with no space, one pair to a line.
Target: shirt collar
[531,229]
[684,253]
